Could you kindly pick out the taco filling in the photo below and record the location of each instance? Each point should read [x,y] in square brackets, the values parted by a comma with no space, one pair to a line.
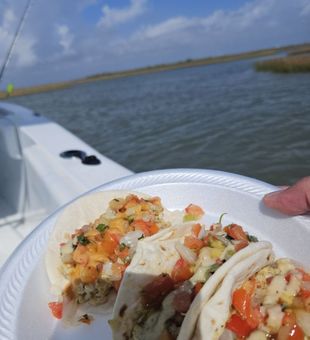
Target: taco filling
[95,256]
[165,301]
[273,304]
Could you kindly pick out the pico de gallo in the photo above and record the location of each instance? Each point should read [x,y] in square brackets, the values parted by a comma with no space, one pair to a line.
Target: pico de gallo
[166,300]
[96,255]
[273,304]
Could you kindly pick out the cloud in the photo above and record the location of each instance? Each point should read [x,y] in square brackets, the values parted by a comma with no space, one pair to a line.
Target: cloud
[115,16]
[219,21]
[24,53]
[65,39]
[76,46]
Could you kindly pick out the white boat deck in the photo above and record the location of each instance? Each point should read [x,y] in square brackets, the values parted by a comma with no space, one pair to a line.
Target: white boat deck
[34,179]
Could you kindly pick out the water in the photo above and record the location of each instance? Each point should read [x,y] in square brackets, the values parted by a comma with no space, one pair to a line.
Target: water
[225,116]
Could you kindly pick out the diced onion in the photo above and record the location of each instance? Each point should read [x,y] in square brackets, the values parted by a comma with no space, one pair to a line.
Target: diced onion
[131,239]
[202,233]
[257,335]
[220,237]
[186,254]
[227,335]
[66,251]
[109,273]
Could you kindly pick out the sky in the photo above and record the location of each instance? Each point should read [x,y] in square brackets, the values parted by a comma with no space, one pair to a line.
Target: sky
[69,39]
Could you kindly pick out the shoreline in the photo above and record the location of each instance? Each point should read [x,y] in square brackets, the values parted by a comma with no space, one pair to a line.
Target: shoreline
[292,49]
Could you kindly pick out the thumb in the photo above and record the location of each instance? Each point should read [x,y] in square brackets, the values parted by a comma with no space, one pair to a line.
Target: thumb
[294,200]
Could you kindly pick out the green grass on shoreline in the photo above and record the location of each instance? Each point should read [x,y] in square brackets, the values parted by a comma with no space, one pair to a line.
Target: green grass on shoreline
[159,68]
[300,63]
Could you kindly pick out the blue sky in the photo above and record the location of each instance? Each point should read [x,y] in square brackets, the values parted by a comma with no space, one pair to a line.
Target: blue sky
[69,39]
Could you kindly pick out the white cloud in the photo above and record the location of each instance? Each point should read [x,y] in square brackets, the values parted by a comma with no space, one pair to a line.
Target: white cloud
[116,16]
[240,19]
[62,51]
[166,27]
[65,39]
[24,52]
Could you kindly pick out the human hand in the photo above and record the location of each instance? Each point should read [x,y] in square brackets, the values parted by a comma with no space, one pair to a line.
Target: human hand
[294,200]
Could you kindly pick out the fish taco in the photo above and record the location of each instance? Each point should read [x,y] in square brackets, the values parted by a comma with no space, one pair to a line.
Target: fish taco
[93,242]
[171,278]
[258,302]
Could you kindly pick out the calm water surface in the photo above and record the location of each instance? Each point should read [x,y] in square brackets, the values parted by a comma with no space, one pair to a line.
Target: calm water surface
[224,116]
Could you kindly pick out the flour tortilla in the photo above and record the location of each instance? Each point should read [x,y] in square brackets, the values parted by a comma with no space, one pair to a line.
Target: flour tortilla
[159,255]
[81,212]
[216,312]
[154,256]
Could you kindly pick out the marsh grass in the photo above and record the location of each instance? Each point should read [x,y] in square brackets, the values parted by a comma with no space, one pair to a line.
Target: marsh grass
[301,65]
[291,64]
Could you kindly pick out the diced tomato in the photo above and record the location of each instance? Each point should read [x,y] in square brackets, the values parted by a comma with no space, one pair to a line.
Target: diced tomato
[305,275]
[206,240]
[109,243]
[141,225]
[288,277]
[197,287]
[80,255]
[153,228]
[241,244]
[288,318]
[148,228]
[296,333]
[287,332]
[181,271]
[193,212]
[239,326]
[122,254]
[242,301]
[192,242]
[236,232]
[290,327]
[154,293]
[56,309]
[182,301]
[304,293]
[196,228]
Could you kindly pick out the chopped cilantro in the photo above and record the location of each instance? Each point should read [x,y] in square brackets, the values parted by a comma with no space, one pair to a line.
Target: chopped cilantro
[221,217]
[130,219]
[83,240]
[252,238]
[228,237]
[122,246]
[102,227]
[212,269]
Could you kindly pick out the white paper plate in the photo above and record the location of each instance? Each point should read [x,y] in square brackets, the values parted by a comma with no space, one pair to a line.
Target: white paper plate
[24,288]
